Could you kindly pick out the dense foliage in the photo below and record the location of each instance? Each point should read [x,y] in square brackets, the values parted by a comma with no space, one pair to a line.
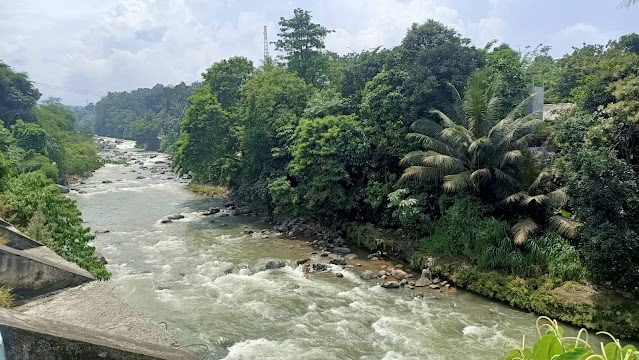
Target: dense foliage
[321,136]
[38,149]
[151,117]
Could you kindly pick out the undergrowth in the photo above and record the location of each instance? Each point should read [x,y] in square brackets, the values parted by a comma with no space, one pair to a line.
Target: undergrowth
[208,190]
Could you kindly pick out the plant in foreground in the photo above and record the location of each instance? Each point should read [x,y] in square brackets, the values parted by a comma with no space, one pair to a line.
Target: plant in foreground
[554,346]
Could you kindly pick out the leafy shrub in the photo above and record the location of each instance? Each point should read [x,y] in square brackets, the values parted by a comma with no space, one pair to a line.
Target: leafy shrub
[367,236]
[207,190]
[32,193]
[553,345]
[29,136]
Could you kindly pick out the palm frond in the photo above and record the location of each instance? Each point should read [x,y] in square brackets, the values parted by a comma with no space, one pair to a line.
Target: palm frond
[457,134]
[445,120]
[515,198]
[475,145]
[510,157]
[539,199]
[480,176]
[412,158]
[543,175]
[423,173]
[445,162]
[522,229]
[558,197]
[507,178]
[432,143]
[457,182]
[427,127]
[564,226]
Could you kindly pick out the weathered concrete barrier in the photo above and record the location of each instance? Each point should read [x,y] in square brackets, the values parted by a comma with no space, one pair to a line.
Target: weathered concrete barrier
[31,276]
[16,240]
[30,337]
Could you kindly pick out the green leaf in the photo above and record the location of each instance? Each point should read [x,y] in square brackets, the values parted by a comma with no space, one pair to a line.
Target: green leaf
[575,354]
[547,347]
[565,213]
[612,351]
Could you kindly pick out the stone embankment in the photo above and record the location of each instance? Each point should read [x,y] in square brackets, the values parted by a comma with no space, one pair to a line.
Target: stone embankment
[64,313]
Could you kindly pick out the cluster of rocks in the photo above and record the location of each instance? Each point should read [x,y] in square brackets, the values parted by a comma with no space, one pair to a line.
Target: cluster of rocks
[328,240]
[230,209]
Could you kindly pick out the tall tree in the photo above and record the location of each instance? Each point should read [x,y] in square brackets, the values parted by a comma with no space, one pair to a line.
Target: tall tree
[225,79]
[302,41]
[18,96]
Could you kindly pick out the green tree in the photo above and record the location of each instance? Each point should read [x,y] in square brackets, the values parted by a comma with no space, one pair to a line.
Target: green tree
[207,146]
[506,64]
[29,136]
[302,41]
[330,155]
[18,96]
[478,151]
[225,78]
[272,102]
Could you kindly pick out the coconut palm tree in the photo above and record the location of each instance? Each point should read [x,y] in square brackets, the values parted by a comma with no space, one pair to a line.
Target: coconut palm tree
[534,201]
[476,150]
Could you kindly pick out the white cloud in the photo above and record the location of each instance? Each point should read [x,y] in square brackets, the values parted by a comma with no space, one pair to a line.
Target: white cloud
[115,45]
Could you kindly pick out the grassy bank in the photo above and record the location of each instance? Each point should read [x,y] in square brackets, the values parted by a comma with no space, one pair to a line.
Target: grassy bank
[576,303]
[208,190]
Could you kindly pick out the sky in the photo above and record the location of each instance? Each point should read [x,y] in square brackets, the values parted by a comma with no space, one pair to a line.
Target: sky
[79,50]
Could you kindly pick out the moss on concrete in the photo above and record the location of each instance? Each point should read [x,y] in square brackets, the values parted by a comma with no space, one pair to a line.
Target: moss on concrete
[6,299]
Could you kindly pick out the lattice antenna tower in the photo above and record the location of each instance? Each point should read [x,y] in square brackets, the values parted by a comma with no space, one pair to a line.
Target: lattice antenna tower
[266,55]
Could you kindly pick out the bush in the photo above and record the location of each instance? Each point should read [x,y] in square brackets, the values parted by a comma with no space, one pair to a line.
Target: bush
[553,345]
[32,196]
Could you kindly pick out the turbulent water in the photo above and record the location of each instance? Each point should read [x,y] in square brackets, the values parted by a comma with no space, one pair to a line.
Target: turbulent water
[203,278]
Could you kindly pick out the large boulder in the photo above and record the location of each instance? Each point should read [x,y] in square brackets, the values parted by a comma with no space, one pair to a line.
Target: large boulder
[399,274]
[390,285]
[368,275]
[63,189]
[274,264]
[338,262]
[422,282]
[341,250]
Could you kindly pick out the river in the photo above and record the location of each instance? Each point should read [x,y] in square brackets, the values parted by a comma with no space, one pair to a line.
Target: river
[202,277]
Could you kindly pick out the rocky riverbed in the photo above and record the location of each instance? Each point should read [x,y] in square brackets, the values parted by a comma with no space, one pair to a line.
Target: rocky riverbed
[241,286]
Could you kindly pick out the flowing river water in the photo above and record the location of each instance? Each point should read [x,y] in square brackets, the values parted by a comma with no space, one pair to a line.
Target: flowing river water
[203,277]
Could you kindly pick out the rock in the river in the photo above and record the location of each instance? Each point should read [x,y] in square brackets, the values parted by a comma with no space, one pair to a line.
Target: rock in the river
[176,217]
[248,231]
[338,262]
[229,204]
[63,189]
[105,231]
[398,274]
[140,177]
[351,257]
[382,273]
[368,275]
[390,285]
[422,282]
[166,221]
[302,261]
[274,264]
[339,275]
[434,287]
[341,250]
[107,181]
[319,267]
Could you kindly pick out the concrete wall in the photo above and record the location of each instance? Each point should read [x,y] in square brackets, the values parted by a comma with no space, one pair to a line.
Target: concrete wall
[17,240]
[31,276]
[30,337]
